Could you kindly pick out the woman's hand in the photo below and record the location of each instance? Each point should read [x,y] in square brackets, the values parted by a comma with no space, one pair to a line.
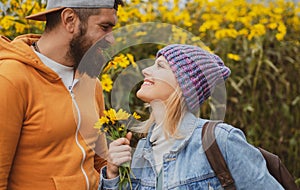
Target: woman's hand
[119,152]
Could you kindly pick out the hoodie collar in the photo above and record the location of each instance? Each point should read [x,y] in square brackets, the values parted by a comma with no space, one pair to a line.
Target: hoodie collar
[19,49]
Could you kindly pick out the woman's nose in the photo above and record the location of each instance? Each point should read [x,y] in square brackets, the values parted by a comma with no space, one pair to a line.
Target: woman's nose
[146,71]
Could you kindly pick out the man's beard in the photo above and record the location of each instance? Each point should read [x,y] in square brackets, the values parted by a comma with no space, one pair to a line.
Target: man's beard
[78,46]
[94,60]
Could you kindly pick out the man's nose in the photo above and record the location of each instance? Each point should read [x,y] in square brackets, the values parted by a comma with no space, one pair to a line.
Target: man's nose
[110,38]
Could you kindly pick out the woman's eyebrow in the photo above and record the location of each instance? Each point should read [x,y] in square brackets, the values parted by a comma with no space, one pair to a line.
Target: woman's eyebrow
[161,62]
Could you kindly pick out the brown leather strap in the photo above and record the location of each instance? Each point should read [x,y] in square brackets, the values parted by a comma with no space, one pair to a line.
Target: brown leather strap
[215,157]
[278,170]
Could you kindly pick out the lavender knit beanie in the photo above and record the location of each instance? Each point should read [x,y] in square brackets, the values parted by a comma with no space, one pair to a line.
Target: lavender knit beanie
[197,71]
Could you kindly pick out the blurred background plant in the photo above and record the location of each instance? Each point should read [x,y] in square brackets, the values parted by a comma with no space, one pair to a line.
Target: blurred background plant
[258,40]
[12,20]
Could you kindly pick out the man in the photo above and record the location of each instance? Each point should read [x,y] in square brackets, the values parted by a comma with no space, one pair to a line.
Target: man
[47,139]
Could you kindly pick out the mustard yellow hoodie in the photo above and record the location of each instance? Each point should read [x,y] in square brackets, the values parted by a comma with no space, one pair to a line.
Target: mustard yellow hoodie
[47,139]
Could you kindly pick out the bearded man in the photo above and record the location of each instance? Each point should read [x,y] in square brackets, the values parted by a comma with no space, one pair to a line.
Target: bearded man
[47,137]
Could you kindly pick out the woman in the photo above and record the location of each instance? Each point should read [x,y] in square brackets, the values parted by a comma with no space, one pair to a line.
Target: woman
[172,157]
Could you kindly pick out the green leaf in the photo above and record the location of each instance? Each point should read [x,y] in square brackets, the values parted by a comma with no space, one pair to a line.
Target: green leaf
[31,10]
[296,100]
[268,62]
[235,86]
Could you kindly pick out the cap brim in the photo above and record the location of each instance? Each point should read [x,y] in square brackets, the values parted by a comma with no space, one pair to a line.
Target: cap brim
[42,15]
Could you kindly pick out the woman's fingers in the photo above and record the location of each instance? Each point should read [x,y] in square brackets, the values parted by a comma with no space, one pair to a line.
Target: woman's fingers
[119,158]
[119,148]
[128,136]
[120,141]
[119,153]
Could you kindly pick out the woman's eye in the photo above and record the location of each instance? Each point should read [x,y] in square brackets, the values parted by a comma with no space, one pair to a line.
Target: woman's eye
[160,65]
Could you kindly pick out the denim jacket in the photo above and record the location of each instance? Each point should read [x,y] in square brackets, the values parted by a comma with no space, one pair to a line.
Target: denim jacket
[186,166]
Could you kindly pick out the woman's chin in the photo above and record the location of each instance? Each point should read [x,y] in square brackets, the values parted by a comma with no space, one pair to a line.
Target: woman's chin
[141,95]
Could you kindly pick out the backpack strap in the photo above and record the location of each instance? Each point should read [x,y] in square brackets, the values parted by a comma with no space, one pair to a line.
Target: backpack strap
[215,157]
[278,170]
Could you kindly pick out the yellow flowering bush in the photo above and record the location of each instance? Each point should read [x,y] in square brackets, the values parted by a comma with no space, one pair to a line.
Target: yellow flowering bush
[114,67]
[12,20]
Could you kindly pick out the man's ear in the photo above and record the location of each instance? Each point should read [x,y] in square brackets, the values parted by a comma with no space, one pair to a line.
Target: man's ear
[69,19]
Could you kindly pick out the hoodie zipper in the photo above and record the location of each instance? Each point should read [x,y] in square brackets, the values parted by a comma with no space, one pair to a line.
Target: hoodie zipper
[76,136]
[70,89]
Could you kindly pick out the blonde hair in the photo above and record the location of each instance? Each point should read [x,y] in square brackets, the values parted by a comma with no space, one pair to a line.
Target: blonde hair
[175,110]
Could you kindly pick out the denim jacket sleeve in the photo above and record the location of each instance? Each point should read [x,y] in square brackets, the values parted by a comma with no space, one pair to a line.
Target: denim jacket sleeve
[107,184]
[246,163]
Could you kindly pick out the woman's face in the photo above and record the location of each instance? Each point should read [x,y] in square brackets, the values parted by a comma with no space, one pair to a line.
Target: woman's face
[159,82]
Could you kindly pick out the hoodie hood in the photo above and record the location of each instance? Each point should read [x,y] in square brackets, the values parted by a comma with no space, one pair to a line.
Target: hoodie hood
[19,50]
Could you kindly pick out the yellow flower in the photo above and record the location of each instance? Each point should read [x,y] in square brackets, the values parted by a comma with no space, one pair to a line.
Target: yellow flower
[110,65]
[178,34]
[121,60]
[111,114]
[234,57]
[106,82]
[14,3]
[136,116]
[256,31]
[98,125]
[131,59]
[20,27]
[279,36]
[272,25]
[103,120]
[223,33]
[196,38]
[209,25]
[105,129]
[122,115]
[7,22]
[121,128]
[113,131]
[141,33]
[278,10]
[281,31]
[246,21]
[243,32]
[263,21]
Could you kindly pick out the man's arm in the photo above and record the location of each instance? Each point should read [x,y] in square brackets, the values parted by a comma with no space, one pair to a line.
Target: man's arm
[12,111]
[101,149]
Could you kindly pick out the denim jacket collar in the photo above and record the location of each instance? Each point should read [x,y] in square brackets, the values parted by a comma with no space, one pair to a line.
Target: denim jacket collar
[186,128]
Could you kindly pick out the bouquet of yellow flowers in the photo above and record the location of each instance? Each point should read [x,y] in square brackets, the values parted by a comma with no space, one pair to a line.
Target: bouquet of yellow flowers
[115,125]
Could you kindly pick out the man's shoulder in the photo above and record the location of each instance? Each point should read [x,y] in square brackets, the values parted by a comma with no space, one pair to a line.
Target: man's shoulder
[14,71]
[11,66]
